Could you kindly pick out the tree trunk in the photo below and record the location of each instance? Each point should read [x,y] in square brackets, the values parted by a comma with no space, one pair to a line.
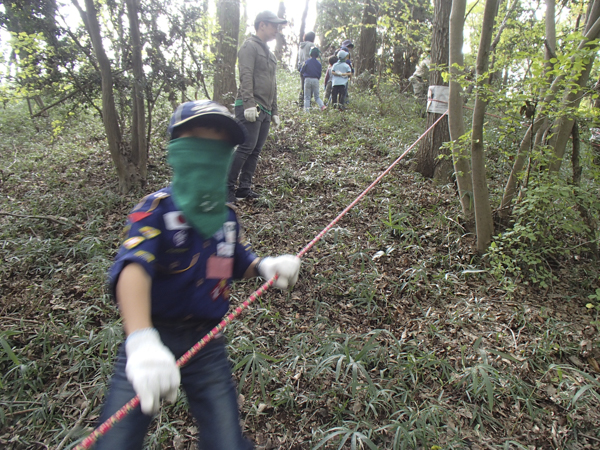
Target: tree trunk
[583,211]
[139,147]
[228,15]
[280,44]
[462,168]
[302,27]
[484,223]
[126,172]
[368,40]
[495,73]
[428,162]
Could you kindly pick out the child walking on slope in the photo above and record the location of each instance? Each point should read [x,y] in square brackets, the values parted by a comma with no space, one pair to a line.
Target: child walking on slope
[311,71]
[332,60]
[171,280]
[341,73]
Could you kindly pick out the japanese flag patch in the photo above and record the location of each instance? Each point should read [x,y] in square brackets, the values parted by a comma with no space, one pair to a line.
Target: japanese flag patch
[174,220]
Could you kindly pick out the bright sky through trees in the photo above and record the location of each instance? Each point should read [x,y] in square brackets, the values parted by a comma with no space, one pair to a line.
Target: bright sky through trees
[293,14]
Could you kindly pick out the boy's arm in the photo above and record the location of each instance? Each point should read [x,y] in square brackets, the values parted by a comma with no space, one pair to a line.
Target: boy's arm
[341,74]
[251,270]
[246,60]
[151,367]
[133,298]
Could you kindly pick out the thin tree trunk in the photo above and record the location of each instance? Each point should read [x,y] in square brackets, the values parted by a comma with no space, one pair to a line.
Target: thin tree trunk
[302,27]
[583,211]
[429,164]
[495,73]
[139,147]
[484,223]
[228,14]
[126,172]
[462,167]
[368,40]
[280,44]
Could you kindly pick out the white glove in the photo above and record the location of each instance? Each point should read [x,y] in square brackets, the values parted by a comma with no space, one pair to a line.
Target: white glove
[287,266]
[275,120]
[250,114]
[151,369]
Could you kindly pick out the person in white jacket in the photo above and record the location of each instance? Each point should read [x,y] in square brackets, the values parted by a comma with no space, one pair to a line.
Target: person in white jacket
[420,78]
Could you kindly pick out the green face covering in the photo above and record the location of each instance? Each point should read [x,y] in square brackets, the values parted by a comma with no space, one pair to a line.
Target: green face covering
[200,168]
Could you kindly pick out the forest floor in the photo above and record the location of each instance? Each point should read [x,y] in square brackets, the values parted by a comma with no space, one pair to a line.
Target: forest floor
[396,336]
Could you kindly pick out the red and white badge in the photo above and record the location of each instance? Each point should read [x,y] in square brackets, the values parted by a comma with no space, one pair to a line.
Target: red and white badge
[174,220]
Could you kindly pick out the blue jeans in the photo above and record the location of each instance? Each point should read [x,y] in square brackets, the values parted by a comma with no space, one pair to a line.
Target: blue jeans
[311,87]
[208,385]
[246,155]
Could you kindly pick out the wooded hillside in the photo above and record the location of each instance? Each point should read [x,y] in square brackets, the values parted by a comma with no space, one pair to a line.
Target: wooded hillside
[452,309]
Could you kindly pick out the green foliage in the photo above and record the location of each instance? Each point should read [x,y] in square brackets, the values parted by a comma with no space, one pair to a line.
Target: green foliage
[548,229]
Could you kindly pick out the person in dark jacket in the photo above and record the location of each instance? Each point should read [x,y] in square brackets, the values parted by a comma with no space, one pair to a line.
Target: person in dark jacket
[332,60]
[311,71]
[304,55]
[256,103]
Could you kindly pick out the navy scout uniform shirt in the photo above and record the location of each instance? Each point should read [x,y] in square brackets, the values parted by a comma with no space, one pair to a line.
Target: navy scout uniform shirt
[190,275]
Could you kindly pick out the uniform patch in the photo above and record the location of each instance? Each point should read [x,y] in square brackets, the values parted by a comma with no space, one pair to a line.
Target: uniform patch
[174,220]
[133,242]
[137,216]
[218,267]
[226,250]
[149,232]
[180,237]
[229,229]
[220,290]
[148,257]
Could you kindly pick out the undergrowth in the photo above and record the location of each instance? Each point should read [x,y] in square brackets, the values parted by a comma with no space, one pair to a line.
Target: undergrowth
[397,336]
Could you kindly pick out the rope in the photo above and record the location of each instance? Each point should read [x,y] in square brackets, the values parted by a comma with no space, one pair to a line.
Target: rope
[134,402]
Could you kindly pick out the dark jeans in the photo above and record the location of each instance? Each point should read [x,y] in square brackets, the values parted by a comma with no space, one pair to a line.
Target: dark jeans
[328,92]
[246,155]
[338,95]
[207,382]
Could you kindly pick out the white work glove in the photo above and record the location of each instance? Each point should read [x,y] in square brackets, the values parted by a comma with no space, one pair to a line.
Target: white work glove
[151,369]
[287,266]
[275,120]
[250,114]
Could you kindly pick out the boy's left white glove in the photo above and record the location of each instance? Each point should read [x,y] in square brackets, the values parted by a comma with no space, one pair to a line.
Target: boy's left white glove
[275,119]
[151,369]
[287,266]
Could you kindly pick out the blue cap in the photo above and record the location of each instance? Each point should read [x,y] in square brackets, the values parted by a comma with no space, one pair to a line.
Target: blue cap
[207,109]
[348,44]
[342,55]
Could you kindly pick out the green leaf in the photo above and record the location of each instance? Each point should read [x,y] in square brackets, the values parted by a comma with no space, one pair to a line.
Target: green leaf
[9,351]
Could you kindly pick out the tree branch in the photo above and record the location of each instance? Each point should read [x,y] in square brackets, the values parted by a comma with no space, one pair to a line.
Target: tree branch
[59,220]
